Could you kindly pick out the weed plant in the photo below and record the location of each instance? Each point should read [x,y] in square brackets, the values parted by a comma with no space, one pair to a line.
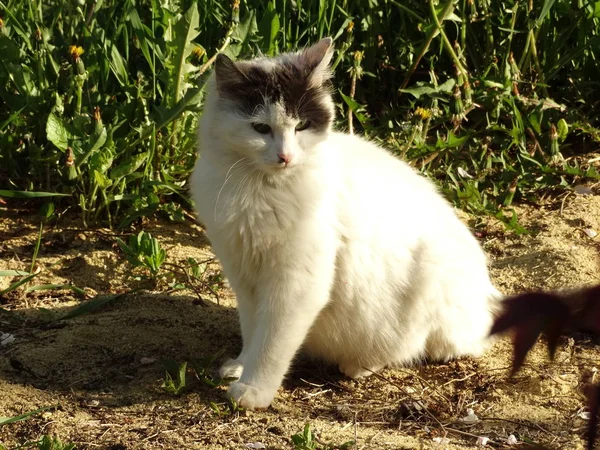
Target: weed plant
[496,100]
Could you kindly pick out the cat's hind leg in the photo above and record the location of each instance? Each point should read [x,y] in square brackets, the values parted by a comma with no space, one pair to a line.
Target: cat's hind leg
[355,370]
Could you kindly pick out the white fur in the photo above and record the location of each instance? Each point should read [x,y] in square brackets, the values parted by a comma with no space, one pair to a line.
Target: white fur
[347,252]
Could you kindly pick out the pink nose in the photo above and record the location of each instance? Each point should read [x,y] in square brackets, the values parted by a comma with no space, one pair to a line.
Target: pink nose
[284,158]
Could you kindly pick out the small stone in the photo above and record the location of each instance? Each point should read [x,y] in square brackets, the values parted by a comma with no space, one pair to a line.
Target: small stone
[145,361]
[482,441]
[583,190]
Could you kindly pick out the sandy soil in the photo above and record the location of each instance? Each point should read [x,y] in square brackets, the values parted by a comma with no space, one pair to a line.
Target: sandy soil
[102,371]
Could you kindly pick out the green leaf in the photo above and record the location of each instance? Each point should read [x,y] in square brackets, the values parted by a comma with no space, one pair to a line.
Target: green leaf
[140,31]
[57,132]
[94,144]
[47,210]
[534,121]
[596,11]
[268,28]
[455,141]
[102,180]
[19,283]
[545,10]
[29,194]
[13,273]
[94,305]
[243,34]
[101,161]
[128,167]
[563,129]
[430,90]
[184,32]
[9,50]
[356,109]
[7,420]
[118,65]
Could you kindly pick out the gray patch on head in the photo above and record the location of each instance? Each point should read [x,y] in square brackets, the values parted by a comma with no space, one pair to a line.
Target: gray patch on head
[285,80]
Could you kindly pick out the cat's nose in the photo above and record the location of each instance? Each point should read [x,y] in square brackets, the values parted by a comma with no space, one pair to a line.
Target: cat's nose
[284,158]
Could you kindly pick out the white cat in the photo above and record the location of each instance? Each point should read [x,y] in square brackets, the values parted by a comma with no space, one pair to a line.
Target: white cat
[329,242]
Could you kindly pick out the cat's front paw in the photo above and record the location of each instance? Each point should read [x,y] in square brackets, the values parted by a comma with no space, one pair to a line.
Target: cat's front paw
[232,368]
[249,396]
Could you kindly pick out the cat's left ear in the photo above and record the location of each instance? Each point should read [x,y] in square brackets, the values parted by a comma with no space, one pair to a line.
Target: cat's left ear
[316,60]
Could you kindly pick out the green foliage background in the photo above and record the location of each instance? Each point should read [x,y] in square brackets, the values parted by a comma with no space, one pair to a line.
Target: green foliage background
[100,99]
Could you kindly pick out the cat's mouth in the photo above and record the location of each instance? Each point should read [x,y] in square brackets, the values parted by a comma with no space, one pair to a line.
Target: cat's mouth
[279,166]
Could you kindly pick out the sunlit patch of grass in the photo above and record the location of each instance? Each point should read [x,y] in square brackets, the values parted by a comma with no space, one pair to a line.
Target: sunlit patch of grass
[493,100]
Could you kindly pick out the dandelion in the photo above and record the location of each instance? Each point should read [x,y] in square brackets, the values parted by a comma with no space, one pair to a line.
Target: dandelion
[70,165]
[350,27]
[76,52]
[98,126]
[423,113]
[235,11]
[197,54]
[1,23]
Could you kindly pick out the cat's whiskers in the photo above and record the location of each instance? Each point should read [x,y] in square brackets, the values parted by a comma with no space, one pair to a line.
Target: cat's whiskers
[245,181]
[228,176]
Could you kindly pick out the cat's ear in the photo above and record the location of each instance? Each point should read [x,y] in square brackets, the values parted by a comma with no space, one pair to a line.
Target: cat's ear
[316,59]
[228,74]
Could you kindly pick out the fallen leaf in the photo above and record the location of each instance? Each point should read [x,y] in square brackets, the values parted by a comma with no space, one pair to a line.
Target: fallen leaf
[463,173]
[6,338]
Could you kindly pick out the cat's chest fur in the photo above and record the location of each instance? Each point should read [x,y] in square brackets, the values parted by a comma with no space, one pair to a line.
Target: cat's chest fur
[254,220]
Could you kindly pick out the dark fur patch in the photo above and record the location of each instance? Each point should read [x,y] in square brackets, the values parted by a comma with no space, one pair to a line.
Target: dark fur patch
[288,83]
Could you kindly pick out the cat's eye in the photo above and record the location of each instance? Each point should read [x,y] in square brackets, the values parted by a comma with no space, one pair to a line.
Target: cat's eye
[262,128]
[303,125]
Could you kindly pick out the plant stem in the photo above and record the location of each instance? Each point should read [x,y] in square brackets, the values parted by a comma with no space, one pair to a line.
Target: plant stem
[445,39]
[425,45]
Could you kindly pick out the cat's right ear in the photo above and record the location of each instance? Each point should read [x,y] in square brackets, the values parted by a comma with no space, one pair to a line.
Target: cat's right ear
[228,74]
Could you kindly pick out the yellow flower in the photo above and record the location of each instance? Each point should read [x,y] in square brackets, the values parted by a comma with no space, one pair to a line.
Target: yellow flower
[350,26]
[197,54]
[423,113]
[1,23]
[75,52]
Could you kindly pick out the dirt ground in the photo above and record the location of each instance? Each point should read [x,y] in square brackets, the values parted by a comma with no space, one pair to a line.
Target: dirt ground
[102,371]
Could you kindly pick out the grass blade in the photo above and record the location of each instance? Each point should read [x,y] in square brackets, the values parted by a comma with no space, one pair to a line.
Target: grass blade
[29,194]
[21,282]
[7,420]
[94,304]
[50,287]
[13,273]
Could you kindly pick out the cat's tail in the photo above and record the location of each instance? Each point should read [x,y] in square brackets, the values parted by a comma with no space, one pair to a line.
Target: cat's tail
[575,309]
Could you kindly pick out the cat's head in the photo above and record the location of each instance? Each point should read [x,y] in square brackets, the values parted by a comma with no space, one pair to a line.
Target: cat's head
[273,111]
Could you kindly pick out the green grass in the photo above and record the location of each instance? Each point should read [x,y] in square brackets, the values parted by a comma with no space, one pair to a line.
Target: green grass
[45,442]
[307,440]
[494,100]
